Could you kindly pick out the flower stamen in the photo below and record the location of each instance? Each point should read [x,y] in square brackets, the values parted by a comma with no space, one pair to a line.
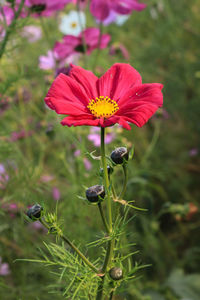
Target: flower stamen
[103,107]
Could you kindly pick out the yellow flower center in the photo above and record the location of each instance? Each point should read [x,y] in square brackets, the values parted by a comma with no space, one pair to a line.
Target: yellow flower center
[73,24]
[103,107]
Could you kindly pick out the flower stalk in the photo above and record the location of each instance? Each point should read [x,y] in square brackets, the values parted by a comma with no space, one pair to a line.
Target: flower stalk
[103,217]
[98,46]
[106,179]
[124,166]
[110,245]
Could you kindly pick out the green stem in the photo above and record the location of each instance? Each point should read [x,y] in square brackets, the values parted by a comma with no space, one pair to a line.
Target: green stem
[66,240]
[98,46]
[118,205]
[125,181]
[110,245]
[152,143]
[106,179]
[10,28]
[45,32]
[100,289]
[82,34]
[103,217]
[111,295]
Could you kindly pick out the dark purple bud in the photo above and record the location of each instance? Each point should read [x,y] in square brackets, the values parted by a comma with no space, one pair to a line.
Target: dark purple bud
[95,193]
[119,155]
[35,212]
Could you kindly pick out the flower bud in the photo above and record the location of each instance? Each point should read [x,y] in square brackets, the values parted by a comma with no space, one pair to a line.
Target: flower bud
[35,211]
[116,273]
[119,155]
[109,169]
[94,192]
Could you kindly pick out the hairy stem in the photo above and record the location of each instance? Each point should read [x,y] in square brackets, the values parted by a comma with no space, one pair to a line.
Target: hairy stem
[110,245]
[103,217]
[106,179]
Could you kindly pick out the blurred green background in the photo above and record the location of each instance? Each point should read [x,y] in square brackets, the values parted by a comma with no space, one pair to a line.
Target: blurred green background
[163,43]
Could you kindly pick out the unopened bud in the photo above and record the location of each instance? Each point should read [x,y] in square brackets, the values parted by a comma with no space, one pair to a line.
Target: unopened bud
[95,192]
[119,155]
[116,273]
[35,211]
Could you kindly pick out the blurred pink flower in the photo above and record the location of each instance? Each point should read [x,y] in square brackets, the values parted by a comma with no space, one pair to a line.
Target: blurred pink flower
[4,103]
[50,6]
[56,193]
[95,137]
[101,9]
[6,14]
[73,44]
[32,33]
[4,177]
[87,164]
[47,62]
[4,268]
[45,8]
[46,178]
[11,208]
[53,61]
[114,17]
[18,135]
[38,226]
[77,153]
[82,3]
[37,8]
[119,48]
[193,152]
[165,114]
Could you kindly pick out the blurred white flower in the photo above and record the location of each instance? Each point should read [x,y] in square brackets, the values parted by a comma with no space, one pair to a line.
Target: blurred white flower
[73,23]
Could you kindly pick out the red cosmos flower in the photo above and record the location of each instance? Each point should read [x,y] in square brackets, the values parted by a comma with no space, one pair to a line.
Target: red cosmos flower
[117,97]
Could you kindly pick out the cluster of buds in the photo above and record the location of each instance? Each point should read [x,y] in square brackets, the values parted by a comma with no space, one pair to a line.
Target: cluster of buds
[96,193]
